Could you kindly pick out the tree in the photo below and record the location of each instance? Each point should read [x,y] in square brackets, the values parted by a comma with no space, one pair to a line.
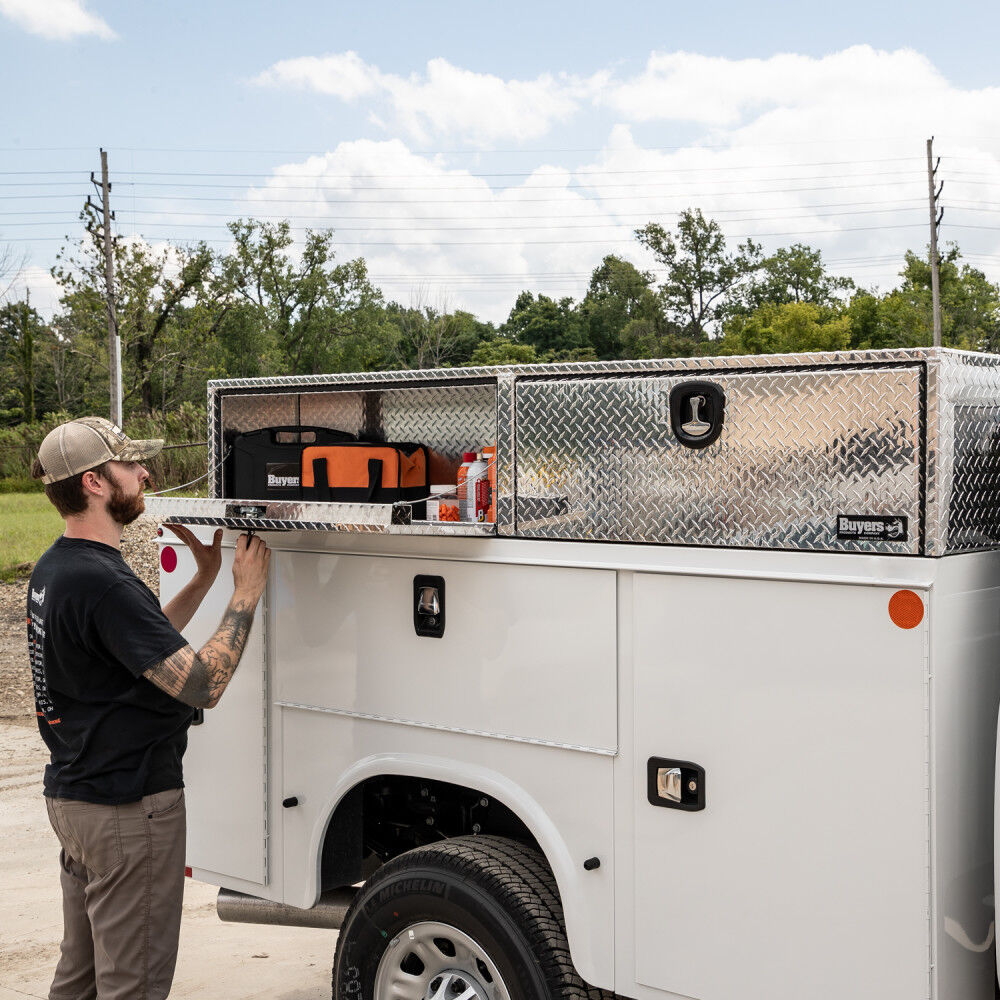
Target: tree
[787,328]
[970,308]
[502,351]
[793,274]
[619,294]
[970,304]
[319,312]
[701,276]
[21,334]
[435,338]
[153,289]
[545,324]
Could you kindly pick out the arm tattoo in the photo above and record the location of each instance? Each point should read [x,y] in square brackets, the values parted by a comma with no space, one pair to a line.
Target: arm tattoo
[198,679]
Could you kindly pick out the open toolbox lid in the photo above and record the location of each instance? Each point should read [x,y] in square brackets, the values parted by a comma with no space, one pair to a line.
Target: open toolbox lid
[275,515]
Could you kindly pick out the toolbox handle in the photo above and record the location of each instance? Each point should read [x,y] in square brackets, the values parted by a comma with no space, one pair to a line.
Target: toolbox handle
[305,434]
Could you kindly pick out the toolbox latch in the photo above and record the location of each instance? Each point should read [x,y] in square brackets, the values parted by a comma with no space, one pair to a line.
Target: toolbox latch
[428,606]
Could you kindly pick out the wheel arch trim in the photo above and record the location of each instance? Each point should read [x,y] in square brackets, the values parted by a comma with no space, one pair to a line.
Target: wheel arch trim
[491,783]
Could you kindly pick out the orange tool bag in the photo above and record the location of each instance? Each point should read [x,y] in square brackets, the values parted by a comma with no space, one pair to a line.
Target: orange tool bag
[363,472]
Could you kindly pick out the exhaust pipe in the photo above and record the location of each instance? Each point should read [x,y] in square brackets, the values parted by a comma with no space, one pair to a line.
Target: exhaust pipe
[328,913]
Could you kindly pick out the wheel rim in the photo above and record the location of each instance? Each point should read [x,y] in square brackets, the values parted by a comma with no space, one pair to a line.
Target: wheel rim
[433,961]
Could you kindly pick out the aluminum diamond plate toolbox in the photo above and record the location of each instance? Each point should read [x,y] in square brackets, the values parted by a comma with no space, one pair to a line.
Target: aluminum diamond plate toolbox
[867,451]
[598,459]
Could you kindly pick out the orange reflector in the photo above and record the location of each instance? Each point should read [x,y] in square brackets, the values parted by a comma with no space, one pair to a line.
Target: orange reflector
[187,871]
[906,609]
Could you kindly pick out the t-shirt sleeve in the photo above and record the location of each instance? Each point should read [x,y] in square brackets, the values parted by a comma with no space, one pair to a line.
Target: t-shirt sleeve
[133,629]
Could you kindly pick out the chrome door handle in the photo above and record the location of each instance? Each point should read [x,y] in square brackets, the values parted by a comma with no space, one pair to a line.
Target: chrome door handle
[429,603]
[668,783]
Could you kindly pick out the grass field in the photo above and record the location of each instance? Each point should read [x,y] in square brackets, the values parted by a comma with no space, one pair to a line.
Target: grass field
[28,526]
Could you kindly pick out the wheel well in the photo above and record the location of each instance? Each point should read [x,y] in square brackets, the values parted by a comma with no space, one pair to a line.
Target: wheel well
[386,815]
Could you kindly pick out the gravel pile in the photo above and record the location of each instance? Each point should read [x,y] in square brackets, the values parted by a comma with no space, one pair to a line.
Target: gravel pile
[17,702]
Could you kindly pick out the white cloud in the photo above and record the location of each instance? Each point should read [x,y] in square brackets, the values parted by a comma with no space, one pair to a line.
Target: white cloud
[38,283]
[434,233]
[59,20]
[345,75]
[446,99]
[684,86]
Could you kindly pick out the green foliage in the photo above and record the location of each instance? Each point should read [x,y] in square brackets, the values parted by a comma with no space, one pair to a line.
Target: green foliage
[792,274]
[619,295]
[311,316]
[503,351]
[432,338]
[173,466]
[787,328]
[702,277]
[545,324]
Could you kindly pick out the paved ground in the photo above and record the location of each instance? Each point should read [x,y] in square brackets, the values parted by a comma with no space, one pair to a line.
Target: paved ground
[217,960]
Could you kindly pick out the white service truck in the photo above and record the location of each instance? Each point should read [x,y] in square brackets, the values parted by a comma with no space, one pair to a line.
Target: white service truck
[709,711]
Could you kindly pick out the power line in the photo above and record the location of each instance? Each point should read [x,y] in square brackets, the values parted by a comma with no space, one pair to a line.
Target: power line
[504,228]
[527,173]
[476,218]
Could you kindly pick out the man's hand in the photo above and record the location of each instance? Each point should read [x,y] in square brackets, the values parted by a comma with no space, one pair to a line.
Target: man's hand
[250,569]
[208,558]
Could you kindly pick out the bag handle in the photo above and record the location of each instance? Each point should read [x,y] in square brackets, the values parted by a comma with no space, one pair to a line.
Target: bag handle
[374,476]
[321,481]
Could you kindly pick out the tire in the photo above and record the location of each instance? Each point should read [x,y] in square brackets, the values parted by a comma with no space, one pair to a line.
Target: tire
[472,918]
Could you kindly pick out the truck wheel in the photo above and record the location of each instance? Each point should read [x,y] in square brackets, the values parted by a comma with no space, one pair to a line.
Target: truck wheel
[473,918]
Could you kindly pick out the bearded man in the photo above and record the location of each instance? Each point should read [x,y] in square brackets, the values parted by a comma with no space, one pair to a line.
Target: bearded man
[115,683]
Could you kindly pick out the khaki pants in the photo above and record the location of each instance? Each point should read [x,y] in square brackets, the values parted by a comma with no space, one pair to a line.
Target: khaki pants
[122,883]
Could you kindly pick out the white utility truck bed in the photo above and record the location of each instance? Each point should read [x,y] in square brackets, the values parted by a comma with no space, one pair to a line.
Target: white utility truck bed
[723,674]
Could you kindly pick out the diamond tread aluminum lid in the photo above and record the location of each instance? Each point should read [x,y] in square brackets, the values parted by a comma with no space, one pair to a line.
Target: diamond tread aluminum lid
[274,515]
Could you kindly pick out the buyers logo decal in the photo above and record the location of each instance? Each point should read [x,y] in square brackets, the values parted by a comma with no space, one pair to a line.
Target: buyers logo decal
[871,528]
[38,596]
[282,474]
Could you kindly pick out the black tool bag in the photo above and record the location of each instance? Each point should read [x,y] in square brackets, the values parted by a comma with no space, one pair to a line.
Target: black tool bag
[267,464]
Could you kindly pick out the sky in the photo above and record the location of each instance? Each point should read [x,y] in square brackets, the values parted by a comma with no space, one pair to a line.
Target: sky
[471,150]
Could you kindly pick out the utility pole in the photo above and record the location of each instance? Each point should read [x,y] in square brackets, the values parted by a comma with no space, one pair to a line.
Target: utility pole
[935,216]
[114,341]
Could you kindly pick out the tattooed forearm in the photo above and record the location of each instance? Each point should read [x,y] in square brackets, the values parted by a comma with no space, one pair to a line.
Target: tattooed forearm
[198,679]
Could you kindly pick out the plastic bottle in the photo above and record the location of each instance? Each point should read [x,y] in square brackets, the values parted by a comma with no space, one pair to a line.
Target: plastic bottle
[490,458]
[468,458]
[473,489]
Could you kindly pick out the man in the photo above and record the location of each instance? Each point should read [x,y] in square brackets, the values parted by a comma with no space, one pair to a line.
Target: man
[114,683]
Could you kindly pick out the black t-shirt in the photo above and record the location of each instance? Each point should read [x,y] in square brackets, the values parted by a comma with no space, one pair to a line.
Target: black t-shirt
[93,629]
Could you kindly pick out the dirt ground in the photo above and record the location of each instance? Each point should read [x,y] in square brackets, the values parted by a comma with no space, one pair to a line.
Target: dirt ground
[218,960]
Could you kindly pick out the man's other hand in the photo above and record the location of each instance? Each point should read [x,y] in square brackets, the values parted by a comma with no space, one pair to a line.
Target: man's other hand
[250,567]
[208,558]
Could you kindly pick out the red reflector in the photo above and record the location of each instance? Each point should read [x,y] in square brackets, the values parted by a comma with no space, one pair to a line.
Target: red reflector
[187,871]
[168,558]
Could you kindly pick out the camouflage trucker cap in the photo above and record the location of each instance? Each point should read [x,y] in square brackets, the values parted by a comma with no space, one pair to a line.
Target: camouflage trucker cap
[82,444]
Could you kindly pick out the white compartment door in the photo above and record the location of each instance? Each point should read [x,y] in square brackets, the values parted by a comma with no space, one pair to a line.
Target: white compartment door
[224,773]
[806,874]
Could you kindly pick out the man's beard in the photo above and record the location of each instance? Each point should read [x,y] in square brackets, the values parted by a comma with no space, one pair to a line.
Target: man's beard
[124,509]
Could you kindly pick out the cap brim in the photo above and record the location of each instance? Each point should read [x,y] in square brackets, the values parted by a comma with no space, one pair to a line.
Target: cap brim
[139,451]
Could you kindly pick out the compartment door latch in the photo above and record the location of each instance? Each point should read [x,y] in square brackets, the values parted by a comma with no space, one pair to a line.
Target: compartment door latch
[675,784]
[428,606]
